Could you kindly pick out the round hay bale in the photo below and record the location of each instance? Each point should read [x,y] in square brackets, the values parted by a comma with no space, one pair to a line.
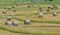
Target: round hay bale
[14,10]
[28,6]
[41,10]
[54,14]
[48,10]
[49,7]
[13,7]
[8,8]
[52,8]
[17,4]
[40,15]
[4,11]
[9,18]
[27,22]
[8,23]
[15,23]
[55,7]
[5,8]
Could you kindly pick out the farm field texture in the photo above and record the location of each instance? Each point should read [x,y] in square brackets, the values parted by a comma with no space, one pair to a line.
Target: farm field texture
[48,25]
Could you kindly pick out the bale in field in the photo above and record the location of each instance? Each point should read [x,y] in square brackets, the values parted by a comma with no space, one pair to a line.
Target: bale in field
[5,8]
[8,23]
[48,10]
[17,4]
[4,11]
[9,18]
[49,7]
[40,15]
[27,22]
[13,7]
[15,23]
[54,14]
[55,7]
[52,8]
[28,6]
[41,10]
[14,10]
[8,8]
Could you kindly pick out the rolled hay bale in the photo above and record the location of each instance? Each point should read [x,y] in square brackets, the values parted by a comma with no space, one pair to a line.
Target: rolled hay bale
[41,10]
[15,23]
[28,6]
[9,18]
[49,7]
[54,14]
[14,10]
[55,7]
[4,11]
[5,8]
[48,10]
[52,8]
[27,22]
[9,8]
[17,4]
[40,15]
[8,23]
[13,7]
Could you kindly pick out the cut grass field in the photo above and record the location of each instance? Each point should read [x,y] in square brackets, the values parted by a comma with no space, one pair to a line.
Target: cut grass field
[3,32]
[48,25]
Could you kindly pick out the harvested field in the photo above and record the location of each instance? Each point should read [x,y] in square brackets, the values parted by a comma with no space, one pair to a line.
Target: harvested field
[48,25]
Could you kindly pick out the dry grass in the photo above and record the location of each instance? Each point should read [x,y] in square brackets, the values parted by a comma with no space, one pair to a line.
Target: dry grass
[46,28]
[3,32]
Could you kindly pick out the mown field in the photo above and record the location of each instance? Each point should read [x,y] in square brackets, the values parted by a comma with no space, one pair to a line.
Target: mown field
[48,25]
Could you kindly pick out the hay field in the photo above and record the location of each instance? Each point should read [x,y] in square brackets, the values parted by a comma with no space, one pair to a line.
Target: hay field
[48,25]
